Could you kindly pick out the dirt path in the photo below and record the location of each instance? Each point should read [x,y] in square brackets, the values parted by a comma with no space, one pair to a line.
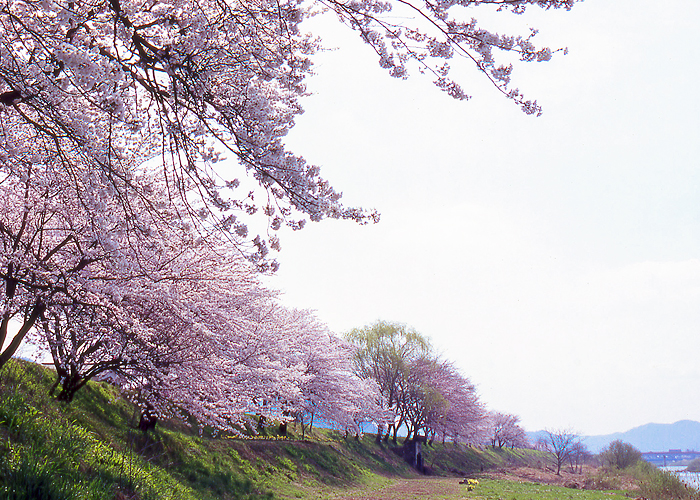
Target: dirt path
[440,488]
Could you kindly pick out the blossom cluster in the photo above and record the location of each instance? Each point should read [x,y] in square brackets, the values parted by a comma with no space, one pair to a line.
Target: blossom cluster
[438,34]
[174,316]
[125,238]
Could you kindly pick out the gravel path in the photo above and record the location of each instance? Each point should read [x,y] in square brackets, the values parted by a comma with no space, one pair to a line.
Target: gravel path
[440,488]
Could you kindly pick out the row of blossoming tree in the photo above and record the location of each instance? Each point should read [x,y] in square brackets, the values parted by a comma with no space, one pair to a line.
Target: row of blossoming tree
[125,238]
[427,395]
[183,324]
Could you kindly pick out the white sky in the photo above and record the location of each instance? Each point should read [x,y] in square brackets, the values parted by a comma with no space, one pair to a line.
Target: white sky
[555,260]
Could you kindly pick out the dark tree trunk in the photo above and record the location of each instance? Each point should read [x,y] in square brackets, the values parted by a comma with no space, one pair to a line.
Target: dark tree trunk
[148,419]
[70,385]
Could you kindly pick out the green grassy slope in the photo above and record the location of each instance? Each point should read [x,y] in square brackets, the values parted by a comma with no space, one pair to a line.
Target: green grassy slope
[91,450]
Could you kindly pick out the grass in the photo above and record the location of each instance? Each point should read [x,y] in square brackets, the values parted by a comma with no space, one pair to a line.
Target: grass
[49,453]
[655,483]
[464,460]
[88,450]
[91,450]
[489,489]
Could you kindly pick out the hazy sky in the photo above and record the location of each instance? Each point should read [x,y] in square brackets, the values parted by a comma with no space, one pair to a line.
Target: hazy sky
[553,259]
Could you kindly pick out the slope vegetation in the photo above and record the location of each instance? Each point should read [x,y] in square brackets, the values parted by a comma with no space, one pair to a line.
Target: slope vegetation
[91,449]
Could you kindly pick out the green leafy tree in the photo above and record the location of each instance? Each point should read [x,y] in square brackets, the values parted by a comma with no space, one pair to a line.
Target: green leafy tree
[426,394]
[384,353]
[620,455]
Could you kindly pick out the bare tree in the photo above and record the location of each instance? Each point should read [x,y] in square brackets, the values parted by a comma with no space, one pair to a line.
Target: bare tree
[562,444]
[579,455]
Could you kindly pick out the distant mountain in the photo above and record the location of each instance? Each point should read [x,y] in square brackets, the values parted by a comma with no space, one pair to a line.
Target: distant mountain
[683,435]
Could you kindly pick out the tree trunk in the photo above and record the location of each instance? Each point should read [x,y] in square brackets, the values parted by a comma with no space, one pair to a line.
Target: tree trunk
[5,356]
[71,385]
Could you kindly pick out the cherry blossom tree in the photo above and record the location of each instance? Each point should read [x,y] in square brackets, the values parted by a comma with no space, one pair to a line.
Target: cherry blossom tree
[332,391]
[113,294]
[85,340]
[437,33]
[243,361]
[437,401]
[121,227]
[151,332]
[505,430]
[110,85]
[209,343]
[69,244]
[462,415]
[268,361]
[47,247]
[107,86]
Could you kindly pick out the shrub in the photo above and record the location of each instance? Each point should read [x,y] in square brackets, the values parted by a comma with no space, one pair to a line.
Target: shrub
[660,484]
[620,455]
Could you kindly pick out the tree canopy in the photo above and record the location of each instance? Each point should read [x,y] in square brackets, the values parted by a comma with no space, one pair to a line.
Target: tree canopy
[141,140]
[426,393]
[620,455]
[109,87]
[505,430]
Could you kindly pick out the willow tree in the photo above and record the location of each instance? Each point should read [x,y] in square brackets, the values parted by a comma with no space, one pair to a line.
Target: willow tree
[385,353]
